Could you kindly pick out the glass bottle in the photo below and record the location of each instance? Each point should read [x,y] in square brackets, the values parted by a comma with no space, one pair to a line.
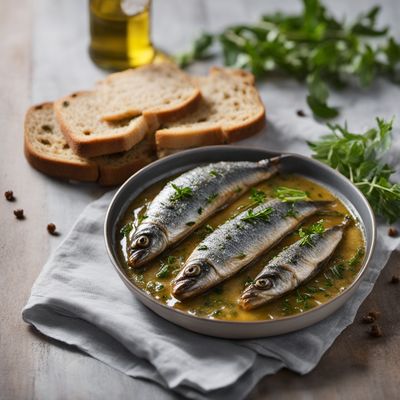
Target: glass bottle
[120,33]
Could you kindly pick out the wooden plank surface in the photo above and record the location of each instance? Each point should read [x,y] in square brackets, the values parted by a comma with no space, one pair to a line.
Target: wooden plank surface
[34,367]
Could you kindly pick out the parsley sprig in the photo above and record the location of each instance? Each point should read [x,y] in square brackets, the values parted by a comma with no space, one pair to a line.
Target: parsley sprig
[257,196]
[262,215]
[306,233]
[312,46]
[287,194]
[359,158]
[181,192]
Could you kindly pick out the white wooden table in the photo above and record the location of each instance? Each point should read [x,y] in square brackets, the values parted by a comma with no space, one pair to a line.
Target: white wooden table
[32,366]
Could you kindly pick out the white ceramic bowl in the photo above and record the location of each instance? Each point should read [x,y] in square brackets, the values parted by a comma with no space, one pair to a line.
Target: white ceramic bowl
[294,163]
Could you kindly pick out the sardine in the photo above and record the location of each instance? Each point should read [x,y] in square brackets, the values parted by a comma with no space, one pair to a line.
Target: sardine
[292,267]
[187,201]
[239,241]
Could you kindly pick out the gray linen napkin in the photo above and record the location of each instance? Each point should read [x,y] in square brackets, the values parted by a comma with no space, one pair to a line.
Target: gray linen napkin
[80,300]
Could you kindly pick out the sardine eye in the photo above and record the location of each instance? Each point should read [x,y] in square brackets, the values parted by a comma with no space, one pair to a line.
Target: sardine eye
[142,241]
[263,283]
[192,270]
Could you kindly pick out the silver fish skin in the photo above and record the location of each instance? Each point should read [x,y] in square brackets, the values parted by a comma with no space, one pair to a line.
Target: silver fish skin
[238,242]
[292,267]
[211,188]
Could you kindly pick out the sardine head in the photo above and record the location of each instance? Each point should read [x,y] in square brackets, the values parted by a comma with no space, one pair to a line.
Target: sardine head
[266,288]
[195,277]
[147,242]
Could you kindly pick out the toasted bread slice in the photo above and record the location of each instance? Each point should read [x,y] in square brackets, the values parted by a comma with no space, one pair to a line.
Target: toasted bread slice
[230,110]
[162,89]
[47,150]
[125,107]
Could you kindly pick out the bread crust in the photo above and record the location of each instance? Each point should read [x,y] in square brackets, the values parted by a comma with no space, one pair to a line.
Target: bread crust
[67,169]
[84,171]
[171,140]
[146,123]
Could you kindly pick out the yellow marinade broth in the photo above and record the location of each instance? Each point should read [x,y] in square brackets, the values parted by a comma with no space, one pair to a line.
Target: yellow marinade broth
[221,302]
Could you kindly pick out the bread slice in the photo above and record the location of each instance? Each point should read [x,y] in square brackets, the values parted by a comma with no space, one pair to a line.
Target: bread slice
[230,110]
[125,107]
[47,150]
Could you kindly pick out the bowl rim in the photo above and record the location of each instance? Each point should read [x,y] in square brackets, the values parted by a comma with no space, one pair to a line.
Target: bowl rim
[184,314]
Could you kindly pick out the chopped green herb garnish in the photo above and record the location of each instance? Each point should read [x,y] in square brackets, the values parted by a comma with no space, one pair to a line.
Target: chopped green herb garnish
[126,229]
[306,233]
[287,308]
[337,270]
[355,260]
[190,223]
[303,299]
[238,189]
[202,247]
[241,256]
[258,196]
[180,192]
[328,282]
[312,289]
[141,218]
[200,211]
[359,158]
[208,228]
[262,215]
[313,46]
[291,212]
[212,197]
[214,173]
[156,287]
[166,267]
[287,194]
[228,237]
[248,281]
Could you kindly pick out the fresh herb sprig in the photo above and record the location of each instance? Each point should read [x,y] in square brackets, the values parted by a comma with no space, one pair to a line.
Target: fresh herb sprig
[291,195]
[312,46]
[306,233]
[263,215]
[181,192]
[359,158]
[166,267]
[257,196]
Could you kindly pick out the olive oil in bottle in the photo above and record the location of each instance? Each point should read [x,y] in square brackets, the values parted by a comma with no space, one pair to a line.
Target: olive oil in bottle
[120,33]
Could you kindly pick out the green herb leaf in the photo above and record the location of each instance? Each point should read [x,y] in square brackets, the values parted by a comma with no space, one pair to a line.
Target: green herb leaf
[141,218]
[311,46]
[190,223]
[208,228]
[166,267]
[202,247]
[257,196]
[181,192]
[318,96]
[126,229]
[356,259]
[241,256]
[359,158]
[287,194]
[212,197]
[199,51]
[338,270]
[238,189]
[214,173]
[291,212]
[306,233]
[262,215]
